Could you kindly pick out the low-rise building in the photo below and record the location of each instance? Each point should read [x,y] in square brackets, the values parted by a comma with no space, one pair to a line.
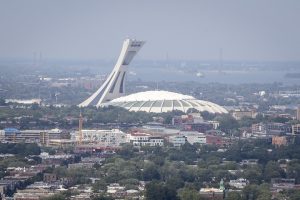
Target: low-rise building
[296,129]
[33,194]
[200,127]
[214,140]
[239,183]
[239,114]
[282,183]
[194,137]
[49,177]
[38,190]
[215,124]
[144,139]
[270,129]
[212,193]
[98,149]
[81,196]
[279,141]
[177,140]
[157,129]
[189,118]
[54,159]
[132,194]
[92,160]
[61,143]
[249,162]
[42,137]
[116,191]
[80,165]
[112,138]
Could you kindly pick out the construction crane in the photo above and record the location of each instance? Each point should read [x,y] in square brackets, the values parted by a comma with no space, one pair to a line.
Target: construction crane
[80,129]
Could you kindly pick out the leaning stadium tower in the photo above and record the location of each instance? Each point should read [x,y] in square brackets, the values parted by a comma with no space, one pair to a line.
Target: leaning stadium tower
[114,85]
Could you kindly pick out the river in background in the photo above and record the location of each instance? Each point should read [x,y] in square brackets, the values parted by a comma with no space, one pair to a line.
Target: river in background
[209,76]
[229,72]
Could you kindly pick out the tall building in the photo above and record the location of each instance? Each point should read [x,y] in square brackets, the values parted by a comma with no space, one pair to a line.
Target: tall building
[114,85]
[112,91]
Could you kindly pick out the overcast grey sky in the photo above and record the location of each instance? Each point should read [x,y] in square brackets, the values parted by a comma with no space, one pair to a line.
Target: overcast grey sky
[183,29]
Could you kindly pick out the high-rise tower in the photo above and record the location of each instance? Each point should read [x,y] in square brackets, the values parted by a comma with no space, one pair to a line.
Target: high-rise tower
[114,85]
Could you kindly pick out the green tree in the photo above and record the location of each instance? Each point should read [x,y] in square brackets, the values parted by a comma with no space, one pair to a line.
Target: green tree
[233,196]
[127,151]
[99,185]
[150,172]
[102,197]
[2,102]
[293,194]
[253,174]
[207,116]
[264,192]
[250,192]
[293,170]
[188,193]
[56,197]
[272,170]
[158,191]
[227,122]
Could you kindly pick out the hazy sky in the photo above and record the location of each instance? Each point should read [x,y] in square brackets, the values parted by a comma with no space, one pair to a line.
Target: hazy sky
[183,29]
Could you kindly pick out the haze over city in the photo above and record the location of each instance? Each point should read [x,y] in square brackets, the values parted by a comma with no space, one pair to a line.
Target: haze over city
[259,30]
[149,100]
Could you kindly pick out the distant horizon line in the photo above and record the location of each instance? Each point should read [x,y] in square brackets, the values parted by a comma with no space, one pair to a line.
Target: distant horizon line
[22,59]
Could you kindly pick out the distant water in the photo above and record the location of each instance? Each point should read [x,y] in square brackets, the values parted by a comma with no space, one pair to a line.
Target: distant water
[231,72]
[209,76]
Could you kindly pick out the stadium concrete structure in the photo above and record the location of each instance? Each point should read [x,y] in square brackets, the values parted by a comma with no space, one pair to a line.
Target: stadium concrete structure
[114,85]
[163,101]
[112,91]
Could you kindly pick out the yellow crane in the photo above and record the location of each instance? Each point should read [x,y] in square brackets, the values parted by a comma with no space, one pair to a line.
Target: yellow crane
[80,129]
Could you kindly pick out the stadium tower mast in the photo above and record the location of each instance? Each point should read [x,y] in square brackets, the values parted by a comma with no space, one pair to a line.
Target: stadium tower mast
[114,86]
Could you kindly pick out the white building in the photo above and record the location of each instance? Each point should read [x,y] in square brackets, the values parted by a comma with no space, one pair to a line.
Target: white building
[177,140]
[215,124]
[114,188]
[201,139]
[45,155]
[156,141]
[239,183]
[23,101]
[105,138]
[196,137]
[197,118]
[144,139]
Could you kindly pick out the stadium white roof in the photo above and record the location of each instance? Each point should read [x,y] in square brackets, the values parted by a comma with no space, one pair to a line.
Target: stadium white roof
[164,101]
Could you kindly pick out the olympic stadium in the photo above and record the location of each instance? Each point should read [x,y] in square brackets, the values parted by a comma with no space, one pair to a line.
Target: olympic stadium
[164,101]
[112,91]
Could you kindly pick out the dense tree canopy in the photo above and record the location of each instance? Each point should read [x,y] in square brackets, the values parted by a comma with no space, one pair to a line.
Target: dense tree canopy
[20,148]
